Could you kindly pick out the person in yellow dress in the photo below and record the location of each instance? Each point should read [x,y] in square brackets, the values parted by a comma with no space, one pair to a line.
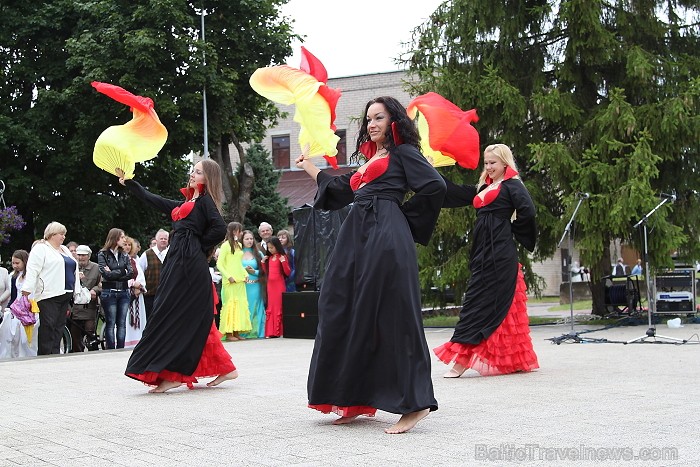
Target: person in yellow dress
[235,318]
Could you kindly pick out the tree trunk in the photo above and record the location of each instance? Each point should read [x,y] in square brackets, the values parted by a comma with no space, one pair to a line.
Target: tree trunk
[600,269]
[246,178]
[236,189]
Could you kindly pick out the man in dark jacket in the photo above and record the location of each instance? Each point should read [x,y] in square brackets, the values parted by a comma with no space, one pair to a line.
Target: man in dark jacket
[83,317]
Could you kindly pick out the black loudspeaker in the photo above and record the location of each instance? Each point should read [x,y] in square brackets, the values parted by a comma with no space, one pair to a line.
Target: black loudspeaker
[300,314]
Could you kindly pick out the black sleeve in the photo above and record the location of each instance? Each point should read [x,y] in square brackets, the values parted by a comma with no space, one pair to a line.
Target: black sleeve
[334,192]
[111,275]
[158,202]
[128,269]
[458,195]
[215,231]
[429,189]
[524,227]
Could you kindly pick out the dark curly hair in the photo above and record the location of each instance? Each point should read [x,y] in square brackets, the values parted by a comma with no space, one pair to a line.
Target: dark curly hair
[397,112]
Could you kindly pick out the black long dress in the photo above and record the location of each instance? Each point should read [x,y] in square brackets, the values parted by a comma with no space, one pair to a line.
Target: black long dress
[496,289]
[182,316]
[370,349]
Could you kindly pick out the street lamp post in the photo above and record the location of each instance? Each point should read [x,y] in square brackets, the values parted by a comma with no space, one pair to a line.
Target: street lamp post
[204,96]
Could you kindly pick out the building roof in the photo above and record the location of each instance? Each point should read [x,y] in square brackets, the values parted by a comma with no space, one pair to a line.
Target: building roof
[299,188]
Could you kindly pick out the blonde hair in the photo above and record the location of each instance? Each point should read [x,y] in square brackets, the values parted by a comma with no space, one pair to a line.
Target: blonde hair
[504,153]
[54,228]
[135,245]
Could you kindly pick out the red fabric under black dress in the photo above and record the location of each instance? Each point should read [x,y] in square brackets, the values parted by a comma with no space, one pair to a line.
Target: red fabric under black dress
[493,334]
[370,351]
[507,350]
[180,341]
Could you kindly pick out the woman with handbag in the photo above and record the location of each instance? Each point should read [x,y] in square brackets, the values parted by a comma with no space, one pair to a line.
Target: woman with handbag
[116,270]
[52,276]
[19,272]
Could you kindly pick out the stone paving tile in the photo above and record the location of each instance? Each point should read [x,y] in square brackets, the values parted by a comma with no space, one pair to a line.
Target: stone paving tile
[584,396]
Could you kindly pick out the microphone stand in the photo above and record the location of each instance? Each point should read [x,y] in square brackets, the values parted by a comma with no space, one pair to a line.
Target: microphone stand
[651,287]
[567,231]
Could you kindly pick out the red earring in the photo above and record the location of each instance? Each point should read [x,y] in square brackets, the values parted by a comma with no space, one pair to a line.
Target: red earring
[395,134]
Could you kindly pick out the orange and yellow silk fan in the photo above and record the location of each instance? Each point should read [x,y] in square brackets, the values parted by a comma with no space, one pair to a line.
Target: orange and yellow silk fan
[315,102]
[446,131]
[122,146]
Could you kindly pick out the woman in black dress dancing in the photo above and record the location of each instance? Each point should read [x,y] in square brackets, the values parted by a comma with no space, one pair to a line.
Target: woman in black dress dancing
[493,334]
[180,342]
[370,351]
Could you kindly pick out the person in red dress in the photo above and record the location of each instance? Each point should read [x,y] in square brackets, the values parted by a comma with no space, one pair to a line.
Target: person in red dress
[180,342]
[276,267]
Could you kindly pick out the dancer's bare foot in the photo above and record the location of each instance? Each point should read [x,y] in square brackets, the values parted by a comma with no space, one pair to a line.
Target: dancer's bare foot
[344,420]
[165,386]
[407,421]
[456,371]
[221,378]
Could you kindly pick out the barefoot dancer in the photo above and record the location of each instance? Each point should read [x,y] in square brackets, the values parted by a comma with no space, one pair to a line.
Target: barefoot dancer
[370,351]
[492,335]
[180,342]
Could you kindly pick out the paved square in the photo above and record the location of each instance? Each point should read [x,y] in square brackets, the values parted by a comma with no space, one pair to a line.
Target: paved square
[586,401]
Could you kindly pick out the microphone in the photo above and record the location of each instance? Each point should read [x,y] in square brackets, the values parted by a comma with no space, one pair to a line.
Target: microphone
[583,195]
[667,196]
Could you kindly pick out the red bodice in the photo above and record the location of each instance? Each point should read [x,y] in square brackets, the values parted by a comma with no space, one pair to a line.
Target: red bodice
[373,170]
[184,210]
[493,194]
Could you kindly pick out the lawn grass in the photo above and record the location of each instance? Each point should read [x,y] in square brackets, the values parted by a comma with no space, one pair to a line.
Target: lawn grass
[545,299]
[578,305]
[451,321]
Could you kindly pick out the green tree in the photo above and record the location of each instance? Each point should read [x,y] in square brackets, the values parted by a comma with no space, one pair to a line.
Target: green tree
[50,117]
[593,96]
[266,203]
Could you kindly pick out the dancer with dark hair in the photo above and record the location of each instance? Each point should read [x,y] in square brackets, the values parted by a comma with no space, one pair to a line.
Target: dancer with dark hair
[275,264]
[370,351]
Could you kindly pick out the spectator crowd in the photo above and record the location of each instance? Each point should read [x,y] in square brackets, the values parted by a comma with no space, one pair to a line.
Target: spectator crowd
[45,281]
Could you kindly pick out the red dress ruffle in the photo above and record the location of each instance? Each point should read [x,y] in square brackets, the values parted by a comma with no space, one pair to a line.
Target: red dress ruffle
[352,411]
[215,361]
[507,350]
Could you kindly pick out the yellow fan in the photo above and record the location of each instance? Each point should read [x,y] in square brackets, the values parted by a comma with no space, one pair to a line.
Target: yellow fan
[110,154]
[121,146]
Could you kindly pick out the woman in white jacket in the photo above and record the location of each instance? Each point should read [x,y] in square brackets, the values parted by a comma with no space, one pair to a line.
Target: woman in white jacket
[52,276]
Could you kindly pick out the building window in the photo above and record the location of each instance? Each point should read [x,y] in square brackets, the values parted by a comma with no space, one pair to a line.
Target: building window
[342,156]
[280,151]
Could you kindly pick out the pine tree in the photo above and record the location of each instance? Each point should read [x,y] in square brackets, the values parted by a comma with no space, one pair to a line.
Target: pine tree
[593,96]
[266,203]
